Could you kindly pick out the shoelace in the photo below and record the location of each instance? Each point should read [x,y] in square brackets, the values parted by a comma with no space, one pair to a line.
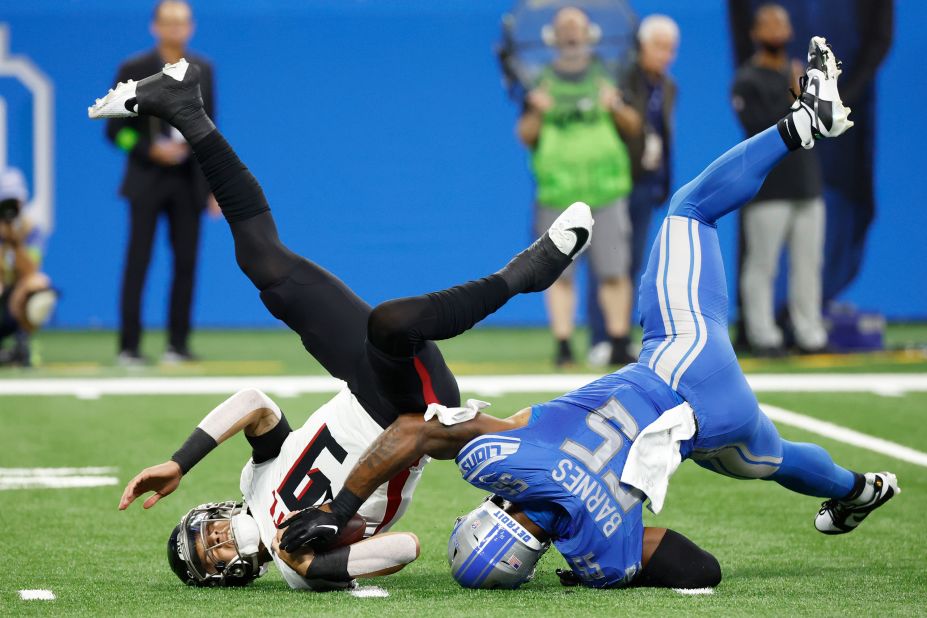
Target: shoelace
[802,84]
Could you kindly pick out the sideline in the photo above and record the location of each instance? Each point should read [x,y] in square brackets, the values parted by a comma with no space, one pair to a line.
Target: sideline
[887,384]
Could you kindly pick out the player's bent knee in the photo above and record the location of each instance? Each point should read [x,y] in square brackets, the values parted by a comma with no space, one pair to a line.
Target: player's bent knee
[679,563]
[389,327]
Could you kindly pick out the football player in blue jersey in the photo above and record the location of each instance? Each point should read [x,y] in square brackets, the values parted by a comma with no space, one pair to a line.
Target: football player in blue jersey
[574,471]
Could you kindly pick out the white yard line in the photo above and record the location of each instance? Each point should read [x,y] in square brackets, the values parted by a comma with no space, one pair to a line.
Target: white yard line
[55,482]
[847,436]
[57,478]
[290,386]
[19,472]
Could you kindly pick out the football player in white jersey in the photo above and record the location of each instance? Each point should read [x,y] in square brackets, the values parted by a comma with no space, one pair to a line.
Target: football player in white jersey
[386,356]
[229,543]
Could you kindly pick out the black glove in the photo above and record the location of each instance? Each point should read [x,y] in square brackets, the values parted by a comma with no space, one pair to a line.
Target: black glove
[313,527]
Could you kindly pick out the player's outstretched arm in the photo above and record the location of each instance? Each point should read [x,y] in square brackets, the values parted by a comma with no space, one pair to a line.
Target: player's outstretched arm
[402,444]
[409,438]
[248,410]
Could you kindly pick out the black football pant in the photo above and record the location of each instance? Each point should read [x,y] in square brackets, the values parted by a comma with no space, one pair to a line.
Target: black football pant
[386,354]
[176,201]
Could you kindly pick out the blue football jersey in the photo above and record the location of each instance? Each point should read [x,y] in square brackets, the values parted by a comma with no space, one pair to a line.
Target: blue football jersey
[563,469]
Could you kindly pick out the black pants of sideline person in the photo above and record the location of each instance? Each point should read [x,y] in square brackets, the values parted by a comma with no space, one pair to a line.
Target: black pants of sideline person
[183,217]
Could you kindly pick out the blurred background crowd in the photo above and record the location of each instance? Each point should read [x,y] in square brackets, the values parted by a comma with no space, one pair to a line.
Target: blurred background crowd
[387,150]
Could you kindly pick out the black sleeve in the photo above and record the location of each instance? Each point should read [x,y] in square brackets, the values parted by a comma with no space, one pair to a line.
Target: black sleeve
[267,445]
[679,563]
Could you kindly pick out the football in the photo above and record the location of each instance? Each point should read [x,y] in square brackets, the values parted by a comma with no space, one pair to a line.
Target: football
[352,532]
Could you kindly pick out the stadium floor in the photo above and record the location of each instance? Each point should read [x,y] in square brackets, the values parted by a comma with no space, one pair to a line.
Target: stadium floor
[98,561]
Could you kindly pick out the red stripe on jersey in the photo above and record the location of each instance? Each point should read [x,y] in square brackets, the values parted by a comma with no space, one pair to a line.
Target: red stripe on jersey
[308,485]
[428,392]
[301,455]
[394,495]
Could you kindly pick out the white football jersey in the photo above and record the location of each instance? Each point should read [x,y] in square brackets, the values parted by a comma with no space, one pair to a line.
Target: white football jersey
[311,468]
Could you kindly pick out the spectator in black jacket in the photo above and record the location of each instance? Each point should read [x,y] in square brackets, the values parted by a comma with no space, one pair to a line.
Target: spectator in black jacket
[161,177]
[788,209]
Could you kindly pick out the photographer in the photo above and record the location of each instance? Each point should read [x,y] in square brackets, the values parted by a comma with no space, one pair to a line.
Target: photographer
[575,124]
[26,296]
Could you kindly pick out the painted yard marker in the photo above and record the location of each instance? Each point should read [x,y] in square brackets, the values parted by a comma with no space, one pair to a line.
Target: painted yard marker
[368,592]
[36,595]
[56,478]
[694,591]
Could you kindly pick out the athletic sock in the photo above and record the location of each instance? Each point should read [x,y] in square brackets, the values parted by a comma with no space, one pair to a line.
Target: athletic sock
[862,491]
[620,343]
[620,354]
[236,190]
[795,130]
[564,352]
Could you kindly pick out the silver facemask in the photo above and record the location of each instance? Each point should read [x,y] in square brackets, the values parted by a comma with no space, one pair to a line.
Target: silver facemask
[244,536]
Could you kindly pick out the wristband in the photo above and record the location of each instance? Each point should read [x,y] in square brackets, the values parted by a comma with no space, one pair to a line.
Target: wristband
[345,504]
[197,446]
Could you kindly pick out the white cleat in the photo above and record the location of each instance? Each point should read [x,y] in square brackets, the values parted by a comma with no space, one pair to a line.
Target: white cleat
[842,516]
[536,268]
[122,101]
[571,233]
[819,96]
[114,104]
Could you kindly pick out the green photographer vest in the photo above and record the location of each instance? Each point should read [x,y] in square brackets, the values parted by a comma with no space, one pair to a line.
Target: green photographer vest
[579,154]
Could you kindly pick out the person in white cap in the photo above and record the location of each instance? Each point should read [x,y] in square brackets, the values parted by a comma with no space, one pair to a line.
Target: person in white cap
[26,296]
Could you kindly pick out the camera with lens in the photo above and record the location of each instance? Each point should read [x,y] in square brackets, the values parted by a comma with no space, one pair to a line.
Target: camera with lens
[9,210]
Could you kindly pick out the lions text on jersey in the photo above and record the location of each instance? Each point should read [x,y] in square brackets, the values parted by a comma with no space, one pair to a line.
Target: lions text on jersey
[563,470]
[311,468]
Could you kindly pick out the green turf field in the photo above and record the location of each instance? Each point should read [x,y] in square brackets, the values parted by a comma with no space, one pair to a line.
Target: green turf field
[101,562]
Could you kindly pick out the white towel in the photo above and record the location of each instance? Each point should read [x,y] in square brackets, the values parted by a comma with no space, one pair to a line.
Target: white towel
[453,416]
[654,455]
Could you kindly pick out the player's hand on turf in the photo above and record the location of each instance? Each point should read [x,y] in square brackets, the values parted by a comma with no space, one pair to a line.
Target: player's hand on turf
[162,479]
[312,527]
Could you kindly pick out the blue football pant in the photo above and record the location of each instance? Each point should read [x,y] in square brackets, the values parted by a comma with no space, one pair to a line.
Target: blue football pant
[683,303]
